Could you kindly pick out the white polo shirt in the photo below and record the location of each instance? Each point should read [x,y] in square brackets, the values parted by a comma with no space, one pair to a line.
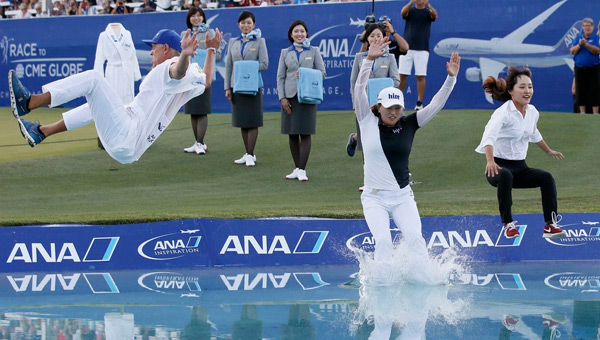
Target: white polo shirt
[510,133]
[160,98]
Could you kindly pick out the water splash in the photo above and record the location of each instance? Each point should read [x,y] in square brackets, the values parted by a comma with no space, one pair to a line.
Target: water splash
[403,268]
[397,296]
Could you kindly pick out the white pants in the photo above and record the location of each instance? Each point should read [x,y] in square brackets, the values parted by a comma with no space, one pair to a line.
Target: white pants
[418,58]
[400,205]
[113,122]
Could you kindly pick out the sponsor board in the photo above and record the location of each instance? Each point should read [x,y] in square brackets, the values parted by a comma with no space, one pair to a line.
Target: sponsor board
[206,243]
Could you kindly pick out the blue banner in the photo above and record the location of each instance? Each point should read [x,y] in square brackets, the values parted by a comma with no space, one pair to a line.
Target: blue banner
[279,242]
[536,33]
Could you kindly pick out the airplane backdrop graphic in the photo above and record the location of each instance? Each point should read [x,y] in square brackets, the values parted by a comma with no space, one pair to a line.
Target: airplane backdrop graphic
[494,55]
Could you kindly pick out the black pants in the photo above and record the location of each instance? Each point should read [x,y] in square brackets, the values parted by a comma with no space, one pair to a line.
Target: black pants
[516,174]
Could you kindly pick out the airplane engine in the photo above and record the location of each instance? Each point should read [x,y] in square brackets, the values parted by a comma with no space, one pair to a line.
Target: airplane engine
[473,74]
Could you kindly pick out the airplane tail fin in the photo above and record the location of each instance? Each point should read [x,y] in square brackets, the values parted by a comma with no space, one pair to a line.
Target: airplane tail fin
[563,45]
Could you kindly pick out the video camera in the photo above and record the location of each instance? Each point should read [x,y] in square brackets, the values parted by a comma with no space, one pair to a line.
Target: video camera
[371,19]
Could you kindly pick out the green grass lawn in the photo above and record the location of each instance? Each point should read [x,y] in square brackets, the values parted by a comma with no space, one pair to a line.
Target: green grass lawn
[67,179]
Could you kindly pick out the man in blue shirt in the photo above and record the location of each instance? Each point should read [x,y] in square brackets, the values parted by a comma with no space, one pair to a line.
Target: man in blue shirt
[585,50]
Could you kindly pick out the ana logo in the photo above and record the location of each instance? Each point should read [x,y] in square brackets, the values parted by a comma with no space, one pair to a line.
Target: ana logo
[446,239]
[574,281]
[171,283]
[310,242]
[170,246]
[504,241]
[100,249]
[307,281]
[578,234]
[99,283]
[506,281]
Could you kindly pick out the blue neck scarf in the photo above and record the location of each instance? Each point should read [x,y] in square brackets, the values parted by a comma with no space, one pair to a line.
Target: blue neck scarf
[305,44]
[201,28]
[255,34]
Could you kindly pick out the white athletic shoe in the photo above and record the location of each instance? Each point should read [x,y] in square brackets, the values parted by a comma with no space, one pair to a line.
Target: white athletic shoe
[250,160]
[419,107]
[302,175]
[201,150]
[293,175]
[193,148]
[241,160]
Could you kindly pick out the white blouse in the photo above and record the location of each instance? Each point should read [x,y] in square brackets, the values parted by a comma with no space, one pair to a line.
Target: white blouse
[510,133]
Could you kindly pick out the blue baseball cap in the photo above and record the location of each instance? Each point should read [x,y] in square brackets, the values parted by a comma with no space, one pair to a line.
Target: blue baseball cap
[166,37]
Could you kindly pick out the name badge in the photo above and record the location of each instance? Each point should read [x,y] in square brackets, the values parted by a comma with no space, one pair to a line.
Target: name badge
[253,49]
[202,41]
[308,58]
[383,66]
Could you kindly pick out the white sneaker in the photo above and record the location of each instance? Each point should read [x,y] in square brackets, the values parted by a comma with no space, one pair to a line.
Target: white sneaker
[250,160]
[419,107]
[241,160]
[193,148]
[293,175]
[302,175]
[201,150]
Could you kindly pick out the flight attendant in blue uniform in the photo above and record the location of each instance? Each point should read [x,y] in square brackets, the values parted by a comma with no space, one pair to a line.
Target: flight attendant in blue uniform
[387,136]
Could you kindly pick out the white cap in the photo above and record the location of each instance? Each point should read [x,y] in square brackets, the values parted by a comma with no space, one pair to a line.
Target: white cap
[390,96]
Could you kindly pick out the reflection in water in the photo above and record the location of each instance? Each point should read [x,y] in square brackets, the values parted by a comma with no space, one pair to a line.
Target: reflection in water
[118,326]
[401,312]
[490,301]
[198,328]
[248,327]
[298,326]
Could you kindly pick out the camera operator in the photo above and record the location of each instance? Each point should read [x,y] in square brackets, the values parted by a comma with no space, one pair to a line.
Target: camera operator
[398,45]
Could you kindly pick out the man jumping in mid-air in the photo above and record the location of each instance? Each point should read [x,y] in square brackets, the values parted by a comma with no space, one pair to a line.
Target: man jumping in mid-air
[125,129]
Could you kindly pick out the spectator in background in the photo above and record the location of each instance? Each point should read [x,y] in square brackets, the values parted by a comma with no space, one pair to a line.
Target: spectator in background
[195,3]
[585,50]
[23,12]
[84,7]
[298,121]
[148,6]
[417,31]
[58,9]
[106,9]
[246,109]
[74,8]
[38,11]
[163,5]
[120,8]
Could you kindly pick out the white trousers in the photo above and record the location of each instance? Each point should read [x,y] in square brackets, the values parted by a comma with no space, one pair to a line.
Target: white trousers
[400,205]
[113,122]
